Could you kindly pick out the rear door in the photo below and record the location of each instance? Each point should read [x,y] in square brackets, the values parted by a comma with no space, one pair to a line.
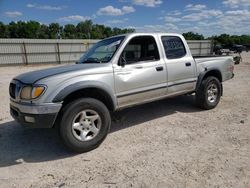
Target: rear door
[180,65]
[144,75]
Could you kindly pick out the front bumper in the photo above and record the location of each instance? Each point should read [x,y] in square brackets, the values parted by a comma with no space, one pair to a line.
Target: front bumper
[34,115]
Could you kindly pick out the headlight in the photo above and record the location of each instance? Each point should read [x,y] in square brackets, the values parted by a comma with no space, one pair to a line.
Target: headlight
[26,92]
[29,92]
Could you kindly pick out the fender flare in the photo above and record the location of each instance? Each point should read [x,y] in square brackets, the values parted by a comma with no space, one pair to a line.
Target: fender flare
[204,73]
[85,85]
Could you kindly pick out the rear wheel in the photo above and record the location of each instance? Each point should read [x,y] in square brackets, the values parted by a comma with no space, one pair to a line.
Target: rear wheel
[85,124]
[209,93]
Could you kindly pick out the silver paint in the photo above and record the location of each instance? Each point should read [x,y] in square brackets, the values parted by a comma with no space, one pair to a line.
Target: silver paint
[132,84]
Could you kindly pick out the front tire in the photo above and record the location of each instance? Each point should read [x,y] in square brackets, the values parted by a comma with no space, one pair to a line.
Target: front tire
[209,92]
[84,125]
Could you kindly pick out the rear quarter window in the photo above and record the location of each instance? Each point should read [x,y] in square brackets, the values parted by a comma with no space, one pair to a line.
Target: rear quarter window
[173,46]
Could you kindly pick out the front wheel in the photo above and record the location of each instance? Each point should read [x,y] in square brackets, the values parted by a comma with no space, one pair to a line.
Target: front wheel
[209,92]
[85,124]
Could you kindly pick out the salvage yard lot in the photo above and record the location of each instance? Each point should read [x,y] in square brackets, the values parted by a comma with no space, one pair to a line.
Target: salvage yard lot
[169,143]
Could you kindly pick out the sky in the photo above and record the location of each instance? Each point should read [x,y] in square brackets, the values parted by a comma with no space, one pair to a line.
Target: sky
[207,17]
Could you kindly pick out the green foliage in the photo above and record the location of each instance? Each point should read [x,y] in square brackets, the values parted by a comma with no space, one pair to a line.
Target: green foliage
[43,33]
[223,39]
[89,30]
[35,30]
[4,31]
[193,36]
[226,39]
[69,32]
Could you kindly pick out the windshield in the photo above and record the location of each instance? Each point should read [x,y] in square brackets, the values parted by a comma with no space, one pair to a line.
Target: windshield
[103,51]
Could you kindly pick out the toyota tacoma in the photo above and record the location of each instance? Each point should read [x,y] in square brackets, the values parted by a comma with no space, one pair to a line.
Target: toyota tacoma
[115,73]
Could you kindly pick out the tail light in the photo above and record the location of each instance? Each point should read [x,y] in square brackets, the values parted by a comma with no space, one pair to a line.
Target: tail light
[231,69]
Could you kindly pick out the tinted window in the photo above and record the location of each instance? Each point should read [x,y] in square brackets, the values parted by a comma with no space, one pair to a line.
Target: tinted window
[174,47]
[141,48]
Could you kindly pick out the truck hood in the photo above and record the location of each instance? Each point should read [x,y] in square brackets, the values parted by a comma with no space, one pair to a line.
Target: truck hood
[34,76]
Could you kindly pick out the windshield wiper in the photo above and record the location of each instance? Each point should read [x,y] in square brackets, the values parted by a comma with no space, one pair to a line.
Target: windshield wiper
[91,60]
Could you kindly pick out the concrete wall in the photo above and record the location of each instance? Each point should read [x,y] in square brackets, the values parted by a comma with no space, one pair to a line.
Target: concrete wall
[41,51]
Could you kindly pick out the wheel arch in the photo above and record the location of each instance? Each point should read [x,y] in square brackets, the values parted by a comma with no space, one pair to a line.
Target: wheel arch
[209,72]
[82,89]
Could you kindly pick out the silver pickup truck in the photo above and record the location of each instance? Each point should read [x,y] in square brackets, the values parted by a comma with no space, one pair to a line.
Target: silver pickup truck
[115,73]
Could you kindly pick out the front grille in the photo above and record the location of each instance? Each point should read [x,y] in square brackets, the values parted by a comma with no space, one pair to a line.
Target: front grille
[12,90]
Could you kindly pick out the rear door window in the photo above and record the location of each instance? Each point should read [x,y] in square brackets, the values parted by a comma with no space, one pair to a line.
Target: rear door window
[173,46]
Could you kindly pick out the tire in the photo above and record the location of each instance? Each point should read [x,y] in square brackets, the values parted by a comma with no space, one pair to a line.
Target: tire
[209,93]
[84,125]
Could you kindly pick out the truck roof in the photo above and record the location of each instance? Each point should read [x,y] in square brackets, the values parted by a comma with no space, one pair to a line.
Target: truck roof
[157,33]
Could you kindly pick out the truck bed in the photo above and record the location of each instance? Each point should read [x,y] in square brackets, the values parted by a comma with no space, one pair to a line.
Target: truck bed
[201,59]
[222,63]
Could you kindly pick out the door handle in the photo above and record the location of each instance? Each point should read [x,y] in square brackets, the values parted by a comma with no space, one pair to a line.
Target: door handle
[188,64]
[123,73]
[139,67]
[159,68]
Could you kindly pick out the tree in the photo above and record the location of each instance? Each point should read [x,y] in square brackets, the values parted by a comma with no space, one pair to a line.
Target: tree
[84,29]
[54,31]
[4,32]
[193,36]
[117,31]
[225,39]
[245,39]
[43,33]
[69,32]
[107,32]
[13,30]
[96,32]
[32,29]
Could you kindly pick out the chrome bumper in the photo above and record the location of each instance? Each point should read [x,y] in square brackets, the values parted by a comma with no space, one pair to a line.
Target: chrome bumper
[46,108]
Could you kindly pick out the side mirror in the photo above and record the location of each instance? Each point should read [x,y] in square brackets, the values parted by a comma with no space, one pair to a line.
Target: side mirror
[122,61]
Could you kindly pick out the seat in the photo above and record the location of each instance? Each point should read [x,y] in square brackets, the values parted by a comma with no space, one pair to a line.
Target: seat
[129,56]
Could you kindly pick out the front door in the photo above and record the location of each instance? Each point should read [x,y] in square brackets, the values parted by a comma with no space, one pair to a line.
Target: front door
[143,76]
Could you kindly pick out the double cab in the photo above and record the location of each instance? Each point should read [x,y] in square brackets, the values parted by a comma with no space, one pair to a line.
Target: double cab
[115,73]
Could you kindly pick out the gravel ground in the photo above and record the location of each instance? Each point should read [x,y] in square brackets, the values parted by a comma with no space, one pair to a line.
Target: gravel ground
[169,143]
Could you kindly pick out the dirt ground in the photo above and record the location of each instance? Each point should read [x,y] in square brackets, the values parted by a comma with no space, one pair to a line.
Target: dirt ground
[169,143]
